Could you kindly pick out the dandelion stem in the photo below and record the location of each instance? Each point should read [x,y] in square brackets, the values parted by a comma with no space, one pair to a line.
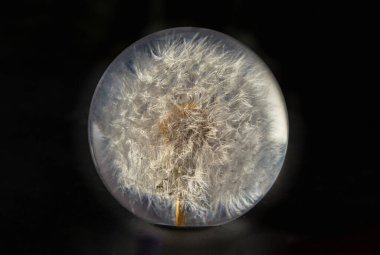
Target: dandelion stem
[179,213]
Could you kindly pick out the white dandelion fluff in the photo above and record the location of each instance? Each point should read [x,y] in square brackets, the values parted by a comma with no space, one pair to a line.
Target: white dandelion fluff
[188,128]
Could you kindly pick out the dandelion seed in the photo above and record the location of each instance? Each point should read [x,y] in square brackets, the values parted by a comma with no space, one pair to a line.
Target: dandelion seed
[188,127]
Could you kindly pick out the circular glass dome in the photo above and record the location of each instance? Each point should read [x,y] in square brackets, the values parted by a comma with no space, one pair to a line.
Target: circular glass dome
[188,127]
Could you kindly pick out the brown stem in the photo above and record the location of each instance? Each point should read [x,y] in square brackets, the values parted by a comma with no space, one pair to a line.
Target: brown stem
[179,213]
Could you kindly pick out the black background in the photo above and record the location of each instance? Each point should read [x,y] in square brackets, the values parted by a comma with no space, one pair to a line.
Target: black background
[52,53]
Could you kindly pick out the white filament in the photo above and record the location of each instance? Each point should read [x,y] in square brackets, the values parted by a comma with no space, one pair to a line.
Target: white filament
[190,119]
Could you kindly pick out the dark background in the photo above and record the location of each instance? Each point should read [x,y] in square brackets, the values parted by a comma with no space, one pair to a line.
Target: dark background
[52,54]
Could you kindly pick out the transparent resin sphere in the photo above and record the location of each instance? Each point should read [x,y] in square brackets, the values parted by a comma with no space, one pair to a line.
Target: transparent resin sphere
[188,127]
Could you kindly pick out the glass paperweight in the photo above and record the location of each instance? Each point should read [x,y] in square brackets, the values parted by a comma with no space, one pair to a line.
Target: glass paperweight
[188,127]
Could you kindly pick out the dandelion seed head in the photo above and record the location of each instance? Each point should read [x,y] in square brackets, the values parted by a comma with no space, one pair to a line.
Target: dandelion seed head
[188,116]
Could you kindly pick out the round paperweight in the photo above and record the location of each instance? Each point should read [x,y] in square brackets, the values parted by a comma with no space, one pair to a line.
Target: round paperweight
[188,127]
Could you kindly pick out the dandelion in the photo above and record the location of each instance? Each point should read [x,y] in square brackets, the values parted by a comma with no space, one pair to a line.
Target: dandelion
[188,128]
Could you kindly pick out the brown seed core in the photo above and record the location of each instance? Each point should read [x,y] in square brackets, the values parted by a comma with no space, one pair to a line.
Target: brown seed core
[185,128]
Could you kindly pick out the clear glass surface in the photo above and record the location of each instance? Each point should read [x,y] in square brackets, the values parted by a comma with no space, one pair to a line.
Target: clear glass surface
[188,127]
